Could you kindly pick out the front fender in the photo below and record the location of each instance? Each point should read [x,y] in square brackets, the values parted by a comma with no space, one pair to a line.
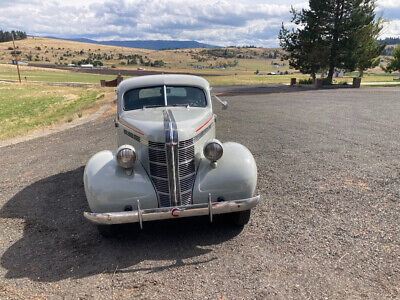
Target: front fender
[108,188]
[234,177]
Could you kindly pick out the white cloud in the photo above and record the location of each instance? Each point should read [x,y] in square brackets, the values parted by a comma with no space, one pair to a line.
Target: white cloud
[388,3]
[391,29]
[222,22]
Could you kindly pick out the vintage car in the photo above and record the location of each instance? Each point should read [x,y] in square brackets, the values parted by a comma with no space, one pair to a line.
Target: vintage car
[168,163]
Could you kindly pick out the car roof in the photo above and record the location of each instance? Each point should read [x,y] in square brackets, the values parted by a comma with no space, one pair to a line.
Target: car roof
[165,79]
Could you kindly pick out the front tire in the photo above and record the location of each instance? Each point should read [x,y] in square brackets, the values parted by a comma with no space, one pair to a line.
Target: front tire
[241,218]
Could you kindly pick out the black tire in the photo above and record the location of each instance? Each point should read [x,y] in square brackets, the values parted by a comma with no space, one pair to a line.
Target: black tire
[241,218]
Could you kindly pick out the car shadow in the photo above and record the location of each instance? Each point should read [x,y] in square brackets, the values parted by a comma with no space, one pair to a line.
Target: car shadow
[58,243]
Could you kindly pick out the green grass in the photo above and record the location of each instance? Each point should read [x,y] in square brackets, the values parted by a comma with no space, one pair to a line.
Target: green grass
[241,75]
[251,79]
[41,75]
[24,108]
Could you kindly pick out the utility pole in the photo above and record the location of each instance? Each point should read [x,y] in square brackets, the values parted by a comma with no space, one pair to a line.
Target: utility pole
[16,58]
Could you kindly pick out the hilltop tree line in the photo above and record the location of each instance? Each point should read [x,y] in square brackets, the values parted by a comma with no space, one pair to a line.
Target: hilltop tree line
[390,41]
[6,36]
[333,34]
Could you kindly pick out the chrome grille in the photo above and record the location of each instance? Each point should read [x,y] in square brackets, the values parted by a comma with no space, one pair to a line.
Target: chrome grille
[187,143]
[156,145]
[186,154]
[158,170]
[186,171]
[164,200]
[157,156]
[186,183]
[161,185]
[186,198]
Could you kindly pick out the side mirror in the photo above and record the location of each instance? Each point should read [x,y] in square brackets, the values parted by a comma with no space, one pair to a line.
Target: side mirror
[224,103]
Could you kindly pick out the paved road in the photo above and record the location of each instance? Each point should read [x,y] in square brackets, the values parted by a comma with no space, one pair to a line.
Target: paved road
[328,224]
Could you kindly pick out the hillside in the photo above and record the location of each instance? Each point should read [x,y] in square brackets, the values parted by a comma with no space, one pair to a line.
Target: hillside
[36,50]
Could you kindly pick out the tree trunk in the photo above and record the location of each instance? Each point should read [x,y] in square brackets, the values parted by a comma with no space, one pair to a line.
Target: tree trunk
[330,73]
[361,73]
[313,76]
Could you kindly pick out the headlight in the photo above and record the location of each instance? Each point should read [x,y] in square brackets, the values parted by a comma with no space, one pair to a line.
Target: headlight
[126,156]
[213,150]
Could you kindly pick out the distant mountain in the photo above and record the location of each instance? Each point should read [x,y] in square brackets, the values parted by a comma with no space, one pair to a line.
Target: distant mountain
[146,44]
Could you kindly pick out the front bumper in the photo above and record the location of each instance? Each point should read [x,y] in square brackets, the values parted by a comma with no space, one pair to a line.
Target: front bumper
[152,214]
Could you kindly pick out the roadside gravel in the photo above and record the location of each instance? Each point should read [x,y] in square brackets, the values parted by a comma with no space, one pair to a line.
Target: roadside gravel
[328,225]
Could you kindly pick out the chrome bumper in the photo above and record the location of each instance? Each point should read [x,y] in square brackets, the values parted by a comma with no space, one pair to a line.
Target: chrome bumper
[152,214]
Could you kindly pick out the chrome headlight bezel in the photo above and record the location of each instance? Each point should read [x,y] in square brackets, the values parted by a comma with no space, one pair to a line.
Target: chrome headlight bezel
[213,150]
[126,156]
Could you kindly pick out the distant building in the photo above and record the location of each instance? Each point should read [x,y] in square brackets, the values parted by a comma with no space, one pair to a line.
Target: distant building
[338,73]
[87,66]
[71,65]
[20,63]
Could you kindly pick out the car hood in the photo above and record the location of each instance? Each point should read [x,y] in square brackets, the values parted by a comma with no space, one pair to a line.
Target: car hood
[149,122]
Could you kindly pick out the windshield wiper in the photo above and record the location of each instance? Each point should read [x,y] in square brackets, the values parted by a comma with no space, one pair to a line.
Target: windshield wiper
[152,106]
[184,105]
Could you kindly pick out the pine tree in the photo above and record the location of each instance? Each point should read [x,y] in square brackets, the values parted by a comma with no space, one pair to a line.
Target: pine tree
[369,48]
[305,48]
[394,63]
[327,36]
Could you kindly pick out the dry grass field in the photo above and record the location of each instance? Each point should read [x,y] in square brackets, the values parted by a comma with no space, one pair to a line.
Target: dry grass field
[29,107]
[35,50]
[229,65]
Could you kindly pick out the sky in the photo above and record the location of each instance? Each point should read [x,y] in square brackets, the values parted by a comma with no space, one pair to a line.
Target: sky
[217,22]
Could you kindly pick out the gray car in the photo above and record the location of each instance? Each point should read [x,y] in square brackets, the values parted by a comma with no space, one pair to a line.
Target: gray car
[168,163]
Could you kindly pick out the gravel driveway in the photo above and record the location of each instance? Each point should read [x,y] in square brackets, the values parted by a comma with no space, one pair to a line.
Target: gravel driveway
[328,225]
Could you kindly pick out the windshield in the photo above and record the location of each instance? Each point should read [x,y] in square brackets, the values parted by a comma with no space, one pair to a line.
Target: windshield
[154,97]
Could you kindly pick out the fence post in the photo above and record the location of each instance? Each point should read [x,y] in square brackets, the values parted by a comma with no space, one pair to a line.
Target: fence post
[318,83]
[356,82]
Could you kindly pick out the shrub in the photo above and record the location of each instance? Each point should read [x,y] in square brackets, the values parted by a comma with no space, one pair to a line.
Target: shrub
[306,81]
[325,81]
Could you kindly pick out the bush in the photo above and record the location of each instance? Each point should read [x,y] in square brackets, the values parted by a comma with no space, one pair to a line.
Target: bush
[325,81]
[306,81]
[158,63]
